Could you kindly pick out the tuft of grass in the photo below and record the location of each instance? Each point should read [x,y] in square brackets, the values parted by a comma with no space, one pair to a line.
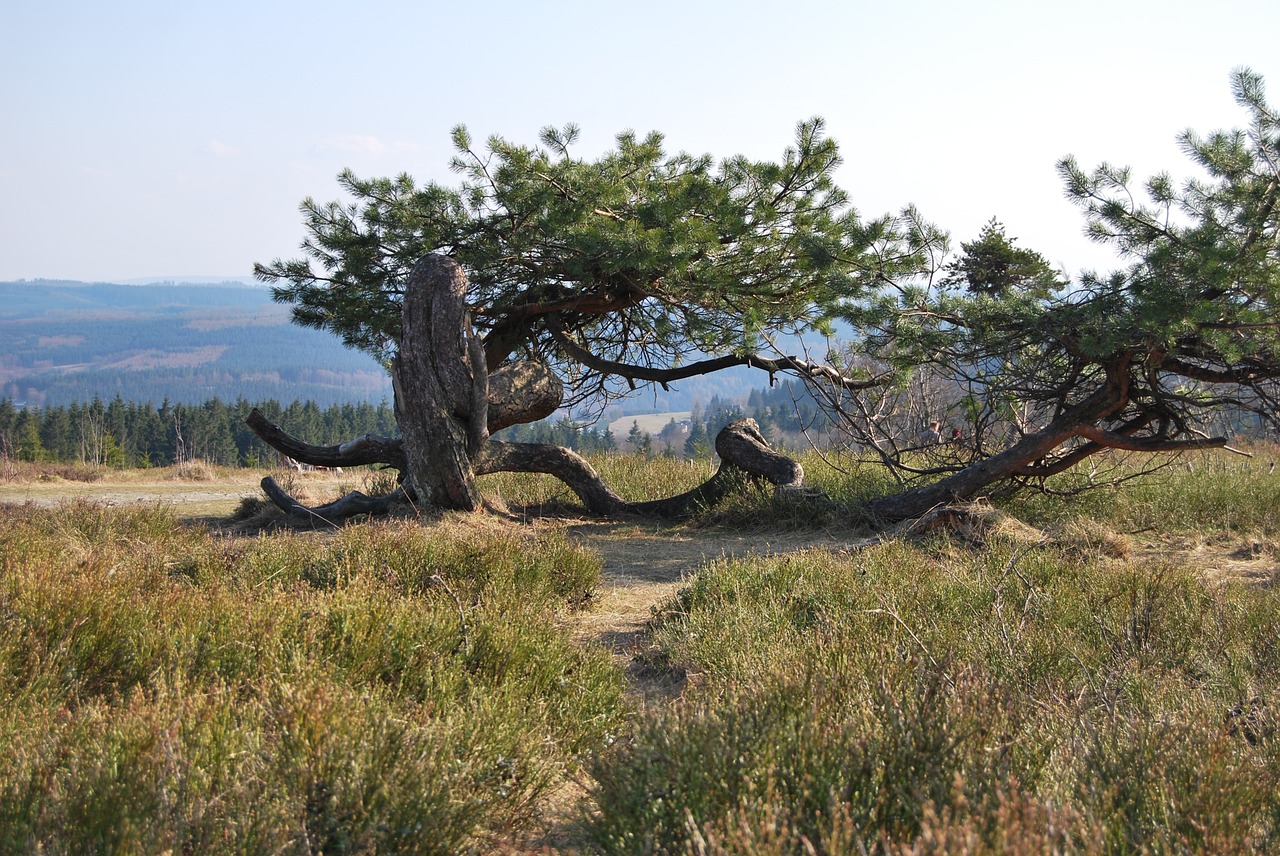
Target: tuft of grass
[1084,539]
[379,482]
[23,471]
[195,470]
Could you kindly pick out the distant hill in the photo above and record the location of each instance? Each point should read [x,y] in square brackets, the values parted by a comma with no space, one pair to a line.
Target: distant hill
[69,341]
[64,341]
[193,280]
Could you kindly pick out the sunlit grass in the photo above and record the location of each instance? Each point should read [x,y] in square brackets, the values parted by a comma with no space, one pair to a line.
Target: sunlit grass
[929,697]
[391,687]
[871,699]
[1210,491]
[414,686]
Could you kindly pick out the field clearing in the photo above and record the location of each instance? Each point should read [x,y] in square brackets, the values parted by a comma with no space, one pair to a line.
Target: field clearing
[650,423]
[536,680]
[201,493]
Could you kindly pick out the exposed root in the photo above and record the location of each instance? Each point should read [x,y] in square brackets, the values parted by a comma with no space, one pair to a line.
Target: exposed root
[745,456]
[353,504]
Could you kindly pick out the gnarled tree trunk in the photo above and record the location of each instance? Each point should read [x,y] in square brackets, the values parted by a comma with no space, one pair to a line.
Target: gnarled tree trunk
[441,392]
[447,403]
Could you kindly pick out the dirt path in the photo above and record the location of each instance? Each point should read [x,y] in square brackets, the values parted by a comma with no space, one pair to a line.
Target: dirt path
[644,565]
[215,496]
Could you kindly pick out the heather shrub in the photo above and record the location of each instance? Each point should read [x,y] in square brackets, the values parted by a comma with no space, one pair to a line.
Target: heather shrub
[908,694]
[387,687]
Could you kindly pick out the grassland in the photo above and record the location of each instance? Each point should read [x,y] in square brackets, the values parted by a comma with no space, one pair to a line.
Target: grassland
[1100,677]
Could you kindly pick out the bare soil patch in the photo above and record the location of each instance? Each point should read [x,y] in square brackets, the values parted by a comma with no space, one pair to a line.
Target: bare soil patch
[194,493]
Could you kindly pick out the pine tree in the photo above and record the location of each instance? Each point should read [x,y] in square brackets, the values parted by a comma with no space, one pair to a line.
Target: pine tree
[27,445]
[610,270]
[697,445]
[545,279]
[992,265]
[635,436]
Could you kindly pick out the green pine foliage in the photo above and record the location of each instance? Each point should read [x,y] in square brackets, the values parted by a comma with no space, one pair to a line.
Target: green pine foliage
[640,256]
[1149,357]
[992,265]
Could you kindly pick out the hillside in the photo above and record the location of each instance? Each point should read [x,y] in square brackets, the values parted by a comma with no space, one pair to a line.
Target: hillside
[69,341]
[64,342]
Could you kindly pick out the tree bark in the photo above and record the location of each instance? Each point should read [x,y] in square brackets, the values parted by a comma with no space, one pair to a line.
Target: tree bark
[436,385]
[973,479]
[565,464]
[352,504]
[450,455]
[522,392]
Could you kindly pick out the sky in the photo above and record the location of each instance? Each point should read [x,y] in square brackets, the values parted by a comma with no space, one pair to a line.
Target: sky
[165,139]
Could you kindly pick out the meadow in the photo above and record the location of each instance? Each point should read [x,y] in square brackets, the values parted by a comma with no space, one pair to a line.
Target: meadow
[1092,673]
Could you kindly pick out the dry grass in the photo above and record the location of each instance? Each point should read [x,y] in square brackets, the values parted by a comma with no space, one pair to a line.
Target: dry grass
[18,472]
[1079,682]
[904,695]
[392,687]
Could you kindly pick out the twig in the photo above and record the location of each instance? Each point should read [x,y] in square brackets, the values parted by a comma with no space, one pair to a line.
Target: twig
[898,618]
[465,645]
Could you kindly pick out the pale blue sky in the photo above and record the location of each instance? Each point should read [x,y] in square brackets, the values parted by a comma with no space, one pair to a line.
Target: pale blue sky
[177,139]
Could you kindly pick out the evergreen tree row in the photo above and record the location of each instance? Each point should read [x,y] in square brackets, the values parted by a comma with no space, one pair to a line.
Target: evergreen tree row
[128,434]
[562,432]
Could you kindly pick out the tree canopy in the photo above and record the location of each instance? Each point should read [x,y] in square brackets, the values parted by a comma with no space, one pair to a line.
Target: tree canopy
[644,266]
[1137,359]
[633,266]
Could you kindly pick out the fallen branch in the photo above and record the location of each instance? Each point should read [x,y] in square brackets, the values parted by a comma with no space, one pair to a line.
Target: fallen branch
[352,504]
